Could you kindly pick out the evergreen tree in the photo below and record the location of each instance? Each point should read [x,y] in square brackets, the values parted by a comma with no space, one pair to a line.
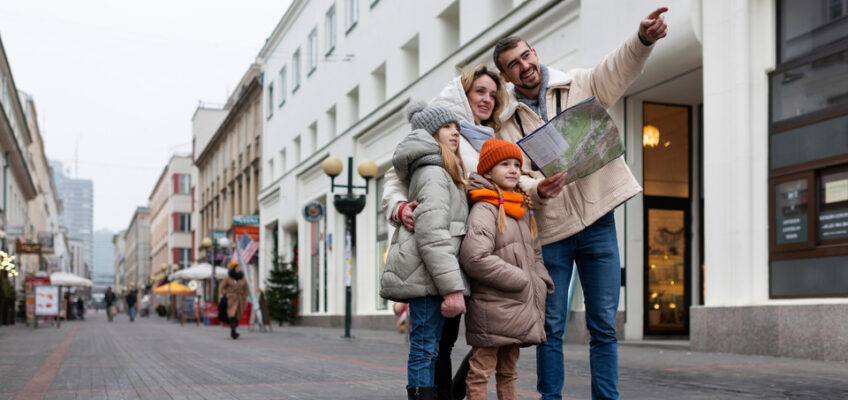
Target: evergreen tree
[282,290]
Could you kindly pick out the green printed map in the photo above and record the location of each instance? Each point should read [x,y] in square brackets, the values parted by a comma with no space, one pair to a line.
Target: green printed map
[580,140]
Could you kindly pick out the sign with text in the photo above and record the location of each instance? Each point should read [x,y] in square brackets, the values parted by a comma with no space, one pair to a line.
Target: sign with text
[245,220]
[833,224]
[47,300]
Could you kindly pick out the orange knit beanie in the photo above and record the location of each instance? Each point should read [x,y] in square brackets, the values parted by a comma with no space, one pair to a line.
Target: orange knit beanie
[495,151]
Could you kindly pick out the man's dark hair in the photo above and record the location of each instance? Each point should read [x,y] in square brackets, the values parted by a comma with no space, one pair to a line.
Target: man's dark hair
[507,43]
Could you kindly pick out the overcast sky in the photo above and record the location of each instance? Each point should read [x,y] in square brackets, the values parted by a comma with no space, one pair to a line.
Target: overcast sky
[121,80]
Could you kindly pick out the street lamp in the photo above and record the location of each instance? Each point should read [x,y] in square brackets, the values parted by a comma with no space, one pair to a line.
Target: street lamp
[350,205]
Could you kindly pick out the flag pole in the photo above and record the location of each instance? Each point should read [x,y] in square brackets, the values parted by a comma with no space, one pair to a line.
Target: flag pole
[255,305]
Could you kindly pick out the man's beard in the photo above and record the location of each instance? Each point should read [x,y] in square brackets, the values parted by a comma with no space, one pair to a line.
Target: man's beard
[523,86]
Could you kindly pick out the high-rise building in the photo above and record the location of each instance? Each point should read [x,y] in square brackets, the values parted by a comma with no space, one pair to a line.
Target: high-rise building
[77,215]
[104,269]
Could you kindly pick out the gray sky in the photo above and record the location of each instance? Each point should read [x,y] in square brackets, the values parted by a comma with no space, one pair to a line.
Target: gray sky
[122,79]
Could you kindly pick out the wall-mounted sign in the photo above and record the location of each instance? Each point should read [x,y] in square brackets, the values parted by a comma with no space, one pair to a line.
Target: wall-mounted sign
[836,191]
[27,248]
[833,224]
[246,220]
[313,211]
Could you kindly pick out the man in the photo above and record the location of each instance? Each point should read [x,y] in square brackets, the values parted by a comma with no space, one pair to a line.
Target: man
[109,298]
[577,224]
[132,298]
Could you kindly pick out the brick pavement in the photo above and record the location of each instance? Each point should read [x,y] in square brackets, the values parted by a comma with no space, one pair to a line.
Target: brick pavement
[156,359]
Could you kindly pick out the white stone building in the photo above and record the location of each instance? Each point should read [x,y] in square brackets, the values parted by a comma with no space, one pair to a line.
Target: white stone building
[709,252]
[170,220]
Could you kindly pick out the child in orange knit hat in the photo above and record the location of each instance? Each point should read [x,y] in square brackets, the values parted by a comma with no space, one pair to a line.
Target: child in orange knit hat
[503,260]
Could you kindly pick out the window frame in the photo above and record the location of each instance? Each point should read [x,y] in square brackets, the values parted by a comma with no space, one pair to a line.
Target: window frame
[312,47]
[296,58]
[270,95]
[351,15]
[330,30]
[283,88]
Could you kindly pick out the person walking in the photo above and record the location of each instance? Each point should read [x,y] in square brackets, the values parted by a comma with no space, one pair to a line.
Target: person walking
[502,257]
[109,298]
[422,267]
[576,225]
[80,306]
[477,97]
[235,289]
[132,299]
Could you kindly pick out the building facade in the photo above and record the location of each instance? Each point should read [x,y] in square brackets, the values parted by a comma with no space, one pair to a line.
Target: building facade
[204,124]
[170,220]
[77,196]
[119,260]
[136,263]
[734,129]
[230,171]
[103,271]
[18,183]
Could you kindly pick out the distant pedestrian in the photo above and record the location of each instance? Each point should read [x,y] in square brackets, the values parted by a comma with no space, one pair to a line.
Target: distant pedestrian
[235,288]
[132,299]
[502,256]
[109,298]
[80,305]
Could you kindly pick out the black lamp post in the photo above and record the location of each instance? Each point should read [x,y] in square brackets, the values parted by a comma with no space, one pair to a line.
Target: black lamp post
[350,205]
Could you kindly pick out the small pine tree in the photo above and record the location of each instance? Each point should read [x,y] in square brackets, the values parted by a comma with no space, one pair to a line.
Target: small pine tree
[282,291]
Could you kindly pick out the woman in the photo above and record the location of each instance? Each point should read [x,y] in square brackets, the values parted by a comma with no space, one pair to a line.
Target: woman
[478,98]
[235,288]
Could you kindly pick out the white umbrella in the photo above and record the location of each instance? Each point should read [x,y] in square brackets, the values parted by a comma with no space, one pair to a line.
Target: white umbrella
[199,271]
[68,279]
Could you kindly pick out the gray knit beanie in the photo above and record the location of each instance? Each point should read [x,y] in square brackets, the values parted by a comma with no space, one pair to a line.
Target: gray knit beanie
[427,118]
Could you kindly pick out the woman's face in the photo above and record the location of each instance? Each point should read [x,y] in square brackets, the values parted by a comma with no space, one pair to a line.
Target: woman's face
[237,269]
[482,97]
[448,135]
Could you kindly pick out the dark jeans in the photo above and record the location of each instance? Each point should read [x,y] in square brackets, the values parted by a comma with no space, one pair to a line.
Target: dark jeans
[595,250]
[426,321]
[448,386]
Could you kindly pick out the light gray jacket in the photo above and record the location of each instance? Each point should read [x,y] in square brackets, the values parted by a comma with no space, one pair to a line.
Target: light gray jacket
[425,262]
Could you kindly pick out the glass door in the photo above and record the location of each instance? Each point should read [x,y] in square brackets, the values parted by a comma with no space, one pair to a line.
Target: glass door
[667,155]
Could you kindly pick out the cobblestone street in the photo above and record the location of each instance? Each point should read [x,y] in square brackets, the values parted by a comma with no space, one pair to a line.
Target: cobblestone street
[153,358]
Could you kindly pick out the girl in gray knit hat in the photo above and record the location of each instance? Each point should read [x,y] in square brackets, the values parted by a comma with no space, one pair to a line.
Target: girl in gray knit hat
[422,268]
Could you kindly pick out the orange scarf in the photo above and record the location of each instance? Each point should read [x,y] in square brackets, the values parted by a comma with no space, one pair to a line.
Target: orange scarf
[513,202]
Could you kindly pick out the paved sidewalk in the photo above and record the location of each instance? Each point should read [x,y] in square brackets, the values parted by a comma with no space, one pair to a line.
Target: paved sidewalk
[156,359]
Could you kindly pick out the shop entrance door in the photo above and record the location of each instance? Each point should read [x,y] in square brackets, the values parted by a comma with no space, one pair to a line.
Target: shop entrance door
[667,208]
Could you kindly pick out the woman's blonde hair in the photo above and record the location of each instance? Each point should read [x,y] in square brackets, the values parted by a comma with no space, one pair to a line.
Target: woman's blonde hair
[467,79]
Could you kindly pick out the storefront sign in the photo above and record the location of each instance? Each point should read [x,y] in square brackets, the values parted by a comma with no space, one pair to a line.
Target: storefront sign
[246,220]
[792,229]
[47,300]
[27,248]
[250,230]
[30,283]
[313,211]
[833,224]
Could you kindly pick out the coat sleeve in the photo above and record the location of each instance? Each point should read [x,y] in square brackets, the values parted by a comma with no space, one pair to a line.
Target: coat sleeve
[225,286]
[395,192]
[541,270]
[476,255]
[611,77]
[432,228]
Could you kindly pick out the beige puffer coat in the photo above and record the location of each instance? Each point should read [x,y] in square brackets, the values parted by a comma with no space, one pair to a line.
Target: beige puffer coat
[425,262]
[236,292]
[585,200]
[509,281]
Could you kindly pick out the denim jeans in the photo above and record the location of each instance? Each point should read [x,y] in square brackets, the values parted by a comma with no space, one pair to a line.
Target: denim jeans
[426,320]
[595,250]
[131,312]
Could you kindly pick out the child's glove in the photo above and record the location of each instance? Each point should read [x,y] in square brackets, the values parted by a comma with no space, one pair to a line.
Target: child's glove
[453,304]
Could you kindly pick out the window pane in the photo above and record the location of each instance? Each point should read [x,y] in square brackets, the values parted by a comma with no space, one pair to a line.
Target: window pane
[809,276]
[810,24]
[811,142]
[791,211]
[833,206]
[819,85]
[666,164]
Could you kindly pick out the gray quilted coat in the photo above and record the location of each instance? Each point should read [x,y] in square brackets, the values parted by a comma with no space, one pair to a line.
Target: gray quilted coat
[425,262]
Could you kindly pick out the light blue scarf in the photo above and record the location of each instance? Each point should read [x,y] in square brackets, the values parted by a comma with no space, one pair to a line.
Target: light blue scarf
[475,134]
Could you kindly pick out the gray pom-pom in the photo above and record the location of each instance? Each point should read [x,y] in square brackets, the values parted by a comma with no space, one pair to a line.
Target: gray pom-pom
[412,108]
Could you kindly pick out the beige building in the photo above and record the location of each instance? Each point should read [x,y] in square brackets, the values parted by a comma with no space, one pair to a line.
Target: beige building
[170,220]
[119,242]
[136,263]
[229,167]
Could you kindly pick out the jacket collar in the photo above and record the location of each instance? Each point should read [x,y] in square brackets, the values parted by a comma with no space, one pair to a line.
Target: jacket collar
[556,80]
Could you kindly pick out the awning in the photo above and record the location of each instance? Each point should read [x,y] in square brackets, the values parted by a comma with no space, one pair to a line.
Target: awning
[173,288]
[68,279]
[199,271]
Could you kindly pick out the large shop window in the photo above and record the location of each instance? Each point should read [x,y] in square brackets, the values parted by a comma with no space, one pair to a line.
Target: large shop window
[808,151]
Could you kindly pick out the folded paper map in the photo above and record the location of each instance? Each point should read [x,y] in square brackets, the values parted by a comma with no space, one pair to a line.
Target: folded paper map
[580,140]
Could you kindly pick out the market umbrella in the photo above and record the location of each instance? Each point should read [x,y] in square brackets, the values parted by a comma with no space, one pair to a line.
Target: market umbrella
[175,288]
[199,272]
[68,279]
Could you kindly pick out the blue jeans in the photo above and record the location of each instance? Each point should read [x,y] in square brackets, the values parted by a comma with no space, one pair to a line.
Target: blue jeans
[595,250]
[131,312]
[426,320]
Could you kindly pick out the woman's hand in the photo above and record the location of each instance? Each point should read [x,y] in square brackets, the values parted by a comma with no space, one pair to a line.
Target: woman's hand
[453,304]
[406,216]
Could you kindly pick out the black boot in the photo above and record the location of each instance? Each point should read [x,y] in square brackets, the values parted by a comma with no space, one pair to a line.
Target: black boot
[458,387]
[421,393]
[233,325]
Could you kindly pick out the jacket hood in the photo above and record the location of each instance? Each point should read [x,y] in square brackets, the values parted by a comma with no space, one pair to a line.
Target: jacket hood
[556,79]
[476,181]
[453,98]
[417,149]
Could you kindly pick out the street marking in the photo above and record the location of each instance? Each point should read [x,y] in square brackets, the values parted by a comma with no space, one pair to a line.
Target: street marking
[40,382]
